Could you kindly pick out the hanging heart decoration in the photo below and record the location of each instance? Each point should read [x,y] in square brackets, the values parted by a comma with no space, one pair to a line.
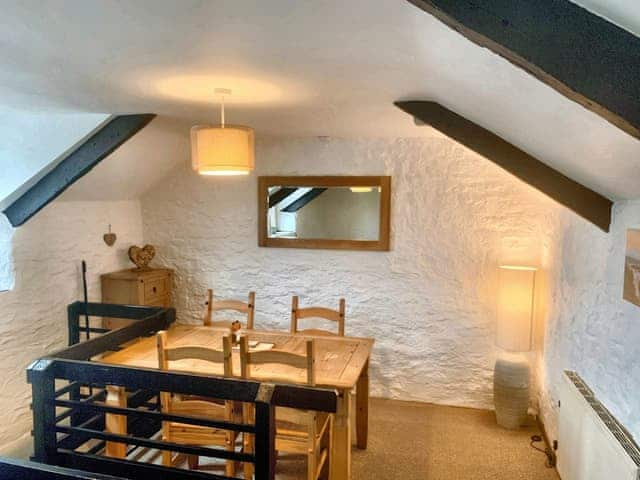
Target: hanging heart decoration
[109,238]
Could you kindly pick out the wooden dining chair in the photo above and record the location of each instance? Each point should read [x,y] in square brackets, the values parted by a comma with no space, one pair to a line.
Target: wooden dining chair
[298,313]
[297,431]
[235,305]
[195,435]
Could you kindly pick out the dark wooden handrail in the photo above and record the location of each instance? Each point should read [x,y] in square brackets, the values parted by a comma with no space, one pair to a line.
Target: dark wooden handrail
[14,469]
[147,321]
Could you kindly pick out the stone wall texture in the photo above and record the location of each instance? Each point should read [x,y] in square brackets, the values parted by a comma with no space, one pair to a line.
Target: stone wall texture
[429,302]
[590,328]
[47,253]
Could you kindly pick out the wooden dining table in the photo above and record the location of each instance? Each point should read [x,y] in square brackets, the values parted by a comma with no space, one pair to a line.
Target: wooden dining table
[342,363]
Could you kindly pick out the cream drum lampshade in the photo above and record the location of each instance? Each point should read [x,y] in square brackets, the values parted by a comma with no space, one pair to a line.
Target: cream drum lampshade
[222,150]
[515,308]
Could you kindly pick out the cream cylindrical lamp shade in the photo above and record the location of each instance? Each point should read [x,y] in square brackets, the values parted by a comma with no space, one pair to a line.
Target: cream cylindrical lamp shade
[515,308]
[222,150]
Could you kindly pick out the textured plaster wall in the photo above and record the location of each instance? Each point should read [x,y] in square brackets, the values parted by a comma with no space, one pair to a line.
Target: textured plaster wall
[429,302]
[590,328]
[47,252]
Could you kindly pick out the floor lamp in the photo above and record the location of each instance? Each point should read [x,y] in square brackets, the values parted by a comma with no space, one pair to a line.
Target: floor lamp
[511,377]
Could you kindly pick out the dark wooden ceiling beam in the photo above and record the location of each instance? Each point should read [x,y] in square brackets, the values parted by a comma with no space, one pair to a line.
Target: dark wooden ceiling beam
[303,200]
[581,55]
[280,195]
[585,202]
[75,165]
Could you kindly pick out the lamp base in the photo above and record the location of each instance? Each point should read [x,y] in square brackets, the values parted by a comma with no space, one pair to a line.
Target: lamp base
[511,377]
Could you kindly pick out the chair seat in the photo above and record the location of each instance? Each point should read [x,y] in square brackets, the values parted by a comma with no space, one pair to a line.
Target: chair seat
[294,438]
[194,435]
[293,424]
[215,401]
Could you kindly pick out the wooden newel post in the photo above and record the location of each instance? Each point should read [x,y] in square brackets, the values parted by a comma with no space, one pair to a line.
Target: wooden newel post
[73,323]
[265,440]
[40,376]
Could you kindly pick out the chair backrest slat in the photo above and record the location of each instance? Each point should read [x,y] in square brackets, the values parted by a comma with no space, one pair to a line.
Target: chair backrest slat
[298,313]
[236,305]
[193,352]
[278,356]
[239,306]
[295,360]
[319,312]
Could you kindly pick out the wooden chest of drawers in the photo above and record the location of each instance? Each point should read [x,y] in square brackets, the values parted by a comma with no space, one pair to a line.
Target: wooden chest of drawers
[136,287]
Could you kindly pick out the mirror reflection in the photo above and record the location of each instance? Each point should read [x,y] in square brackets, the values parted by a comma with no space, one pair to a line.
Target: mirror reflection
[332,213]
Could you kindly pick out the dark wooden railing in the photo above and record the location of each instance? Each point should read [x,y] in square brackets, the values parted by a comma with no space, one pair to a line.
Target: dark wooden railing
[147,321]
[69,413]
[13,469]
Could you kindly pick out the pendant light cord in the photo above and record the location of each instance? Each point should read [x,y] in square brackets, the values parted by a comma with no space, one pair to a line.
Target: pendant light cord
[223,92]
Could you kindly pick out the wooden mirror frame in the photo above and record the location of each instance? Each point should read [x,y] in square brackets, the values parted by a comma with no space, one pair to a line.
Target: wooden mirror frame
[325,181]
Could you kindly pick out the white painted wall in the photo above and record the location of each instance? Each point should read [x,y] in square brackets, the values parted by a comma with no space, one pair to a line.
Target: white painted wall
[429,302]
[590,328]
[47,252]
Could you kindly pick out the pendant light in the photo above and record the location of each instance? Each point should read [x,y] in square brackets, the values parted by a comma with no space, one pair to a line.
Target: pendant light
[222,149]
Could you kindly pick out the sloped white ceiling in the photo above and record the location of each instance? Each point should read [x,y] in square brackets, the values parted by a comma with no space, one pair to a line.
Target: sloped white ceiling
[137,165]
[297,68]
[624,13]
[33,142]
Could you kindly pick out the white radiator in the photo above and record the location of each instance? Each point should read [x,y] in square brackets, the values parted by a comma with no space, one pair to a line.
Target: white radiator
[592,445]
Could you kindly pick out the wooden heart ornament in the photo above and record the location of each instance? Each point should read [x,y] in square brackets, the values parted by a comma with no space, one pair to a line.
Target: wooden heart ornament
[142,256]
[109,238]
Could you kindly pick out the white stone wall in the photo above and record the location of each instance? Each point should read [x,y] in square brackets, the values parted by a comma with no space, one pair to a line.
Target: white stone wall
[590,328]
[429,302]
[47,252]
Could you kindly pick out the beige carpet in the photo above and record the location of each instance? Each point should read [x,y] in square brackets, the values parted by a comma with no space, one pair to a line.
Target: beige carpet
[416,441]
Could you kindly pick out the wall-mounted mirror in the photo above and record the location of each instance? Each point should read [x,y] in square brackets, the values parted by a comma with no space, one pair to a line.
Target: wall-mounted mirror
[324,212]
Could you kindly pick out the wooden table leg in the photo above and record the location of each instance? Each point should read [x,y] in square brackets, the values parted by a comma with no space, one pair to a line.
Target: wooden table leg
[362,408]
[116,397]
[341,439]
